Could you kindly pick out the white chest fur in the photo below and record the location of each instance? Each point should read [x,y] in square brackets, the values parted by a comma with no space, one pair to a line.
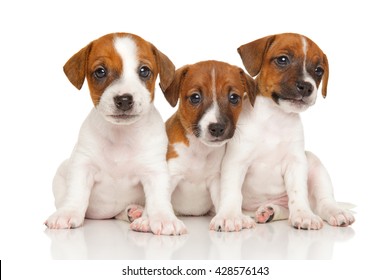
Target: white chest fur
[272,137]
[195,173]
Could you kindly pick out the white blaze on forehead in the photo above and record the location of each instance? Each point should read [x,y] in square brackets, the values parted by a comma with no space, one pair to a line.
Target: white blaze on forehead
[212,113]
[127,49]
[306,76]
[129,81]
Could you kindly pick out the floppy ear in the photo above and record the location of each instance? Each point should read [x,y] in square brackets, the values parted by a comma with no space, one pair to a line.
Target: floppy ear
[166,68]
[75,67]
[172,91]
[325,78]
[252,54]
[250,86]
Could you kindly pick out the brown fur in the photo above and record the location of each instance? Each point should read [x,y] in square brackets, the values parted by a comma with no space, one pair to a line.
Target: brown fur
[197,78]
[259,59]
[102,52]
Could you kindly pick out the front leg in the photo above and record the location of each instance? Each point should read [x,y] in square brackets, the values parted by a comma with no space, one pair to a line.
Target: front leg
[229,214]
[295,178]
[214,187]
[158,216]
[72,187]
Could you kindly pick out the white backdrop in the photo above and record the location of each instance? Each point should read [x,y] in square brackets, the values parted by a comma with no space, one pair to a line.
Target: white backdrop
[41,112]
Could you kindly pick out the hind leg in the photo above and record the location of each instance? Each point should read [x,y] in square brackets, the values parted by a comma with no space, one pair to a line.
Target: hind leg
[131,213]
[273,210]
[321,195]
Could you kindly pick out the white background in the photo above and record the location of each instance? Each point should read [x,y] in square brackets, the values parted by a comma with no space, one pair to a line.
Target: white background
[41,112]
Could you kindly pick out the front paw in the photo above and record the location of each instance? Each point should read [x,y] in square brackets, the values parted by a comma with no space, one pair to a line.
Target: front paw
[159,225]
[340,218]
[305,219]
[65,219]
[231,223]
[141,224]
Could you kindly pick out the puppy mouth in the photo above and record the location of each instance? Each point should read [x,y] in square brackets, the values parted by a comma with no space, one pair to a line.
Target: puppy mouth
[122,117]
[298,100]
[217,142]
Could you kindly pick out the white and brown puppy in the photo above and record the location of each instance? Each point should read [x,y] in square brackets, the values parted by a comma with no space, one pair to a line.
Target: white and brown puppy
[119,158]
[211,95]
[267,162]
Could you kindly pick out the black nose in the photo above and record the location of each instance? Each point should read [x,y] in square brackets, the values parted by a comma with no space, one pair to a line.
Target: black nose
[217,129]
[304,88]
[124,102]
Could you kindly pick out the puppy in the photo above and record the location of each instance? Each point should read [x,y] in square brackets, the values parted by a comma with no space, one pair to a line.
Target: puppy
[267,162]
[119,158]
[211,95]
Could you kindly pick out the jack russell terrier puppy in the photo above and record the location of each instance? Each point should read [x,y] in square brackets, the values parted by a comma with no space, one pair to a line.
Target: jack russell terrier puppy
[266,169]
[211,95]
[119,159]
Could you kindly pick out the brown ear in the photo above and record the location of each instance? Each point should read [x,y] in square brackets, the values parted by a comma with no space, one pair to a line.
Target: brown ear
[165,67]
[252,54]
[172,91]
[250,86]
[325,78]
[75,67]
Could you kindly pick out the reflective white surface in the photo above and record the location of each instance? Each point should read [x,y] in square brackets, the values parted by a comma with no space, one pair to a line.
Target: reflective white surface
[112,239]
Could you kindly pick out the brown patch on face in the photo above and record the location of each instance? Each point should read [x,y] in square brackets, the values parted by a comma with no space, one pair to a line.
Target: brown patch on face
[232,87]
[197,86]
[265,57]
[102,56]
[315,61]
[276,77]
[146,57]
[100,63]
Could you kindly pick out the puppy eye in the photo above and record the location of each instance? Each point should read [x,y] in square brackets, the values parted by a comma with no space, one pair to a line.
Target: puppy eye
[195,98]
[319,71]
[144,72]
[234,98]
[100,72]
[282,60]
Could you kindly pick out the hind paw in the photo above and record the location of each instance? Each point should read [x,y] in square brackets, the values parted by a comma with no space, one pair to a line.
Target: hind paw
[264,215]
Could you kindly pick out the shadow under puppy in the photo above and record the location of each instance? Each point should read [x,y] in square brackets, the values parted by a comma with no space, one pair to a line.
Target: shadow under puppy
[211,94]
[267,162]
[120,156]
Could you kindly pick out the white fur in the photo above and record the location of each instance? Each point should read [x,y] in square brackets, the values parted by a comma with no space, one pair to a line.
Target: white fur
[113,166]
[128,83]
[195,176]
[265,162]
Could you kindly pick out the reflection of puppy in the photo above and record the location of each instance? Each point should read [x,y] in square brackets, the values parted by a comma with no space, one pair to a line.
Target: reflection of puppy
[211,95]
[119,158]
[268,165]
[91,242]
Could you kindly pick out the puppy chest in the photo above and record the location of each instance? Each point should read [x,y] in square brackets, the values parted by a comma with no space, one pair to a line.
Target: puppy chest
[262,175]
[200,170]
[195,166]
[120,161]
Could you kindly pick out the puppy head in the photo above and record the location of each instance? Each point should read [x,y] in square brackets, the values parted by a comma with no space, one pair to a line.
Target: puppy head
[121,70]
[211,94]
[290,68]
